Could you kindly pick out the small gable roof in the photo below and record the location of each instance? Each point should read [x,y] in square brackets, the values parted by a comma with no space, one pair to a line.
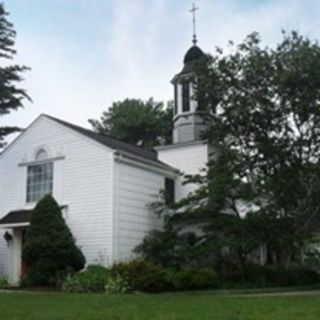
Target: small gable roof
[17,216]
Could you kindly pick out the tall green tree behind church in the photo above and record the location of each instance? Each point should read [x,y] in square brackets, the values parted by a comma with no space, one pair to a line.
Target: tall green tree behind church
[11,97]
[144,123]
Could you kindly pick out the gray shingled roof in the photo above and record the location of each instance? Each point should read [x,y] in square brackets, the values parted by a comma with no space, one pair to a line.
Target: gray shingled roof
[193,55]
[18,216]
[114,143]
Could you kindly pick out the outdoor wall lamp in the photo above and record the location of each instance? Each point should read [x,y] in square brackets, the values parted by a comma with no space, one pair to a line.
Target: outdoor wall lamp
[7,236]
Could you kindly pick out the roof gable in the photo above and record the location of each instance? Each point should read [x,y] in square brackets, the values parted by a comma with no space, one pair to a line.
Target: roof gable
[110,142]
[122,147]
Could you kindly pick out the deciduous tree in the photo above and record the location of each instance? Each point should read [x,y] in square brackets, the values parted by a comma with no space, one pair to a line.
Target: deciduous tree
[145,123]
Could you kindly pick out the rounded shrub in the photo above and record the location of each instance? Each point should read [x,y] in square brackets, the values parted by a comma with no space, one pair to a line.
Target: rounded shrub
[50,252]
[143,275]
[194,279]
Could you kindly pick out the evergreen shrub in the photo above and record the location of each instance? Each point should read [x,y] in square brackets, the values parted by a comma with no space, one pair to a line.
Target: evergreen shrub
[272,276]
[50,252]
[194,279]
[142,275]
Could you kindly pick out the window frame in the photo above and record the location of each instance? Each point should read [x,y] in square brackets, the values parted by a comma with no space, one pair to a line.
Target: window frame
[176,102]
[185,94]
[169,189]
[38,187]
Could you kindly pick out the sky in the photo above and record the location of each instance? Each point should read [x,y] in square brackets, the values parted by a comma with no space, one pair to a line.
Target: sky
[86,54]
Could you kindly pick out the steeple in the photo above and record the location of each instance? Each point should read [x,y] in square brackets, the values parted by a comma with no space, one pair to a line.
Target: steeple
[188,124]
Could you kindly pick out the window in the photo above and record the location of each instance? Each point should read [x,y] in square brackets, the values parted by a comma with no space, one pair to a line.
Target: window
[39,181]
[41,155]
[169,191]
[185,97]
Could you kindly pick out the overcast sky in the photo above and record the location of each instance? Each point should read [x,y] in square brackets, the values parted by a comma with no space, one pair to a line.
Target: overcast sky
[85,54]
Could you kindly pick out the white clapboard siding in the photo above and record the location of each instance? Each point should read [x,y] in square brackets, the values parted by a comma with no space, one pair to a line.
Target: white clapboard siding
[135,189]
[190,158]
[83,181]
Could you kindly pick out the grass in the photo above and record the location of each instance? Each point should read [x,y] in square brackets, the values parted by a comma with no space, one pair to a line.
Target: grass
[34,306]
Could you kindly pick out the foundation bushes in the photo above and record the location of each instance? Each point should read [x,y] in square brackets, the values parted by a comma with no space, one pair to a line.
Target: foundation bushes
[142,275]
[93,279]
[257,276]
[194,279]
[138,276]
[146,276]
[291,276]
[117,285]
[4,283]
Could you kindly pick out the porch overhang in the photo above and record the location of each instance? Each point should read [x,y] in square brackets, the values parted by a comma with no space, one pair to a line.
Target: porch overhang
[16,219]
[20,218]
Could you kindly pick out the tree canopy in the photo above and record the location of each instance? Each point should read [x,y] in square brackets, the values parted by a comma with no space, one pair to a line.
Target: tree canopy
[11,97]
[261,185]
[145,123]
[263,111]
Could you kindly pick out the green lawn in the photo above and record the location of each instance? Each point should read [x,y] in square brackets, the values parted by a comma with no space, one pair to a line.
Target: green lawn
[29,306]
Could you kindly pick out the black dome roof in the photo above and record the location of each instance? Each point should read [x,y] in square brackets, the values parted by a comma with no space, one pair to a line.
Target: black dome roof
[194,53]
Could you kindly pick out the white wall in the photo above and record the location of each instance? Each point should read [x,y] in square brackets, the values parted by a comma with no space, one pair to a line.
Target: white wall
[82,181]
[135,189]
[189,158]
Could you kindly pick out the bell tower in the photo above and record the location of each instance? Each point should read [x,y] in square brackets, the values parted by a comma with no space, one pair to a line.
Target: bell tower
[188,124]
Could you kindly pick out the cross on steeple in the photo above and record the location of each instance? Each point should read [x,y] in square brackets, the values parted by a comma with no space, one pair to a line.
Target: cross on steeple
[193,10]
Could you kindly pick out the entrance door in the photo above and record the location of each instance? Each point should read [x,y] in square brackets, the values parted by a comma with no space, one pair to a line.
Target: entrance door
[23,264]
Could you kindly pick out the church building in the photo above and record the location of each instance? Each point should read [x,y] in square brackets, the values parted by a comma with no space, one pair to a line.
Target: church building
[104,186]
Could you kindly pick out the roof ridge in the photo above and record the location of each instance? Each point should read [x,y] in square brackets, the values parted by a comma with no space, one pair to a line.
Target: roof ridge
[101,134]
[109,141]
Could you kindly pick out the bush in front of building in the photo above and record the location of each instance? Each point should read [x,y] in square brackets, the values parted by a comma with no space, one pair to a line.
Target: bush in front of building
[4,283]
[258,276]
[194,279]
[93,279]
[117,285]
[138,276]
[50,252]
[142,275]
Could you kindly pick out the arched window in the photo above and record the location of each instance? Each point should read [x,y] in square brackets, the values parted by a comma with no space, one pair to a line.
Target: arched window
[39,177]
[41,154]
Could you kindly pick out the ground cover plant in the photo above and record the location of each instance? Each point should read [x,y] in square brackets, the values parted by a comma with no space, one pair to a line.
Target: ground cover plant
[93,279]
[158,307]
